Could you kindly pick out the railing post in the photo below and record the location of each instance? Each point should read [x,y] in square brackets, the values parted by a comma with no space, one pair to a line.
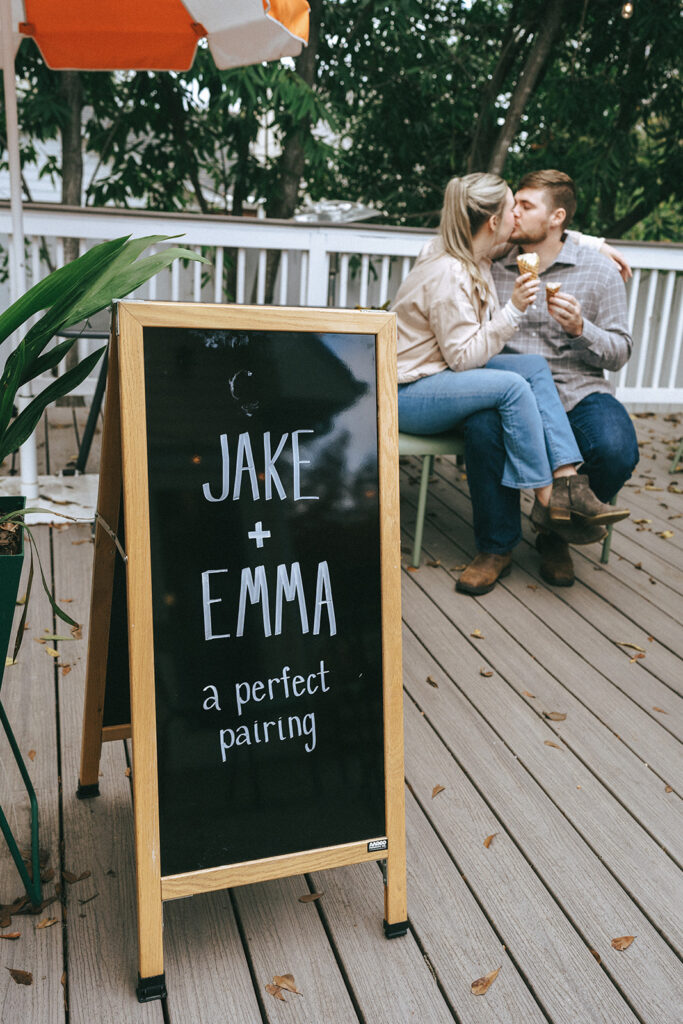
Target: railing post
[318,268]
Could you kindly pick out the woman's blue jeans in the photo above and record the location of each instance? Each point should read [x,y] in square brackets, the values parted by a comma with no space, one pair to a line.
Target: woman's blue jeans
[536,432]
[605,434]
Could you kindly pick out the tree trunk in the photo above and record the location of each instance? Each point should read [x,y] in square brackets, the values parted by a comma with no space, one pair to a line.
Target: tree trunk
[540,50]
[70,92]
[292,161]
[514,36]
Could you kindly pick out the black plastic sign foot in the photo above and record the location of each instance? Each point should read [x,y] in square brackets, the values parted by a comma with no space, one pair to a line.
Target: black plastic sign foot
[394,931]
[86,792]
[151,988]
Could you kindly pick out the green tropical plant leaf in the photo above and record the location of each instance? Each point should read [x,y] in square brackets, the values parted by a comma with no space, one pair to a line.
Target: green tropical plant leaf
[53,287]
[52,358]
[9,385]
[68,296]
[27,420]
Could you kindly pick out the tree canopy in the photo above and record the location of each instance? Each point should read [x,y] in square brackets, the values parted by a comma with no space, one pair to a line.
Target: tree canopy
[387,102]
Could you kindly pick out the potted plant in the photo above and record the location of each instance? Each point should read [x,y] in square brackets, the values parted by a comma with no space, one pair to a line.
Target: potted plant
[66,297]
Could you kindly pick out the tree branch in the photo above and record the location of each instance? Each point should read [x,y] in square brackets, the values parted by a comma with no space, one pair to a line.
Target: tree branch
[538,55]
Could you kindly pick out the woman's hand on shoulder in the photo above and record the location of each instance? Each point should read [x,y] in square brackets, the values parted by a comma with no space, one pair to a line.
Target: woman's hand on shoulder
[525,291]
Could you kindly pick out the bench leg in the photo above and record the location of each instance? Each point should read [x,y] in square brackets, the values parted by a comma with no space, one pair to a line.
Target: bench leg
[607,542]
[677,458]
[427,462]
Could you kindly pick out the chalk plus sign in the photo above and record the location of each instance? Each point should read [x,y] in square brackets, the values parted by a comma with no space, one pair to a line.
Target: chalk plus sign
[258,534]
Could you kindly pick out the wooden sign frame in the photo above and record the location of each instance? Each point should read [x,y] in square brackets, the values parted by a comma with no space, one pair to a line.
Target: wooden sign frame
[124,469]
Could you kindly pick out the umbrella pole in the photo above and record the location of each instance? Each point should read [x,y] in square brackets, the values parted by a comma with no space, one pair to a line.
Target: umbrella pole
[29,463]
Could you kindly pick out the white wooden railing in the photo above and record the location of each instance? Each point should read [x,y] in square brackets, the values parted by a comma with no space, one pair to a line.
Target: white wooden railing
[347,265]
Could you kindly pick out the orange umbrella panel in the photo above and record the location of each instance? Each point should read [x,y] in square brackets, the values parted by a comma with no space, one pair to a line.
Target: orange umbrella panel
[158,35]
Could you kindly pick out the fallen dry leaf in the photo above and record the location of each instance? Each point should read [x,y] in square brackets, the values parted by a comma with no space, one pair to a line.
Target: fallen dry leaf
[623,942]
[52,652]
[411,568]
[21,977]
[286,981]
[555,716]
[458,568]
[636,657]
[47,922]
[668,789]
[11,935]
[489,839]
[639,522]
[527,694]
[666,534]
[66,669]
[276,992]
[549,743]
[532,586]
[437,790]
[435,564]
[432,682]
[309,897]
[478,634]
[8,661]
[661,710]
[625,643]
[70,877]
[485,672]
[596,955]
[31,755]
[482,985]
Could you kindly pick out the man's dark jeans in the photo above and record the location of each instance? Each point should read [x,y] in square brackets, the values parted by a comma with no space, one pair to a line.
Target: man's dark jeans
[608,443]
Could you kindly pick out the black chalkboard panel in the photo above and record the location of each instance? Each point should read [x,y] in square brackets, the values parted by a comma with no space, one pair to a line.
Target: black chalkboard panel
[264,536]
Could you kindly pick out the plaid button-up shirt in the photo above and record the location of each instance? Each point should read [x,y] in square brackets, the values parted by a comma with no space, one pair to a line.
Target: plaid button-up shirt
[577,364]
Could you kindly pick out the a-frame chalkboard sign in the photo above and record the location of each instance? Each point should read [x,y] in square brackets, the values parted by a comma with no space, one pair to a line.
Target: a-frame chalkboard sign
[250,642]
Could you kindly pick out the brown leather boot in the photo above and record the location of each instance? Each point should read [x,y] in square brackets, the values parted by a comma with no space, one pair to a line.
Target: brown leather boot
[483,572]
[572,496]
[556,565]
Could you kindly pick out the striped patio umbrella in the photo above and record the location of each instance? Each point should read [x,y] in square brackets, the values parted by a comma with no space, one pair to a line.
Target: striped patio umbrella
[150,35]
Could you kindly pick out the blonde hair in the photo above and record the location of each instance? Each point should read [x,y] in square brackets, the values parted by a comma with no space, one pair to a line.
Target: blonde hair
[467,204]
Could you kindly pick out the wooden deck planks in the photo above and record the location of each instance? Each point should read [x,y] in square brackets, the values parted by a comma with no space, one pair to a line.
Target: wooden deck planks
[540,838]
[608,827]
[207,973]
[285,936]
[569,869]
[516,645]
[98,833]
[390,979]
[28,698]
[458,939]
[566,608]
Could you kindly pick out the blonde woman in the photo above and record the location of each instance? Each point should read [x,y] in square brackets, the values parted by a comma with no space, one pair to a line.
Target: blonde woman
[450,331]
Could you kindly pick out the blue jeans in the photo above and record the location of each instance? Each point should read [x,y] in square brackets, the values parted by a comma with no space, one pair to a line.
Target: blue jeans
[537,437]
[606,437]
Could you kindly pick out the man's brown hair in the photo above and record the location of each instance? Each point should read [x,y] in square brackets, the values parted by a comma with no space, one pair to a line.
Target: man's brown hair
[558,187]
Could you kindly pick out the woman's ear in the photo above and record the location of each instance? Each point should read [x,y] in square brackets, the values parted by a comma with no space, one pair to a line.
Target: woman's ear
[493,222]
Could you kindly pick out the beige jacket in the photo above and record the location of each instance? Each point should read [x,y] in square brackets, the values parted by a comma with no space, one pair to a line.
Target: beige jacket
[440,320]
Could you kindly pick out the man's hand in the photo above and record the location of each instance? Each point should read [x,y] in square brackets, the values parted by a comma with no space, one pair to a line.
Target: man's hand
[567,311]
[619,259]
